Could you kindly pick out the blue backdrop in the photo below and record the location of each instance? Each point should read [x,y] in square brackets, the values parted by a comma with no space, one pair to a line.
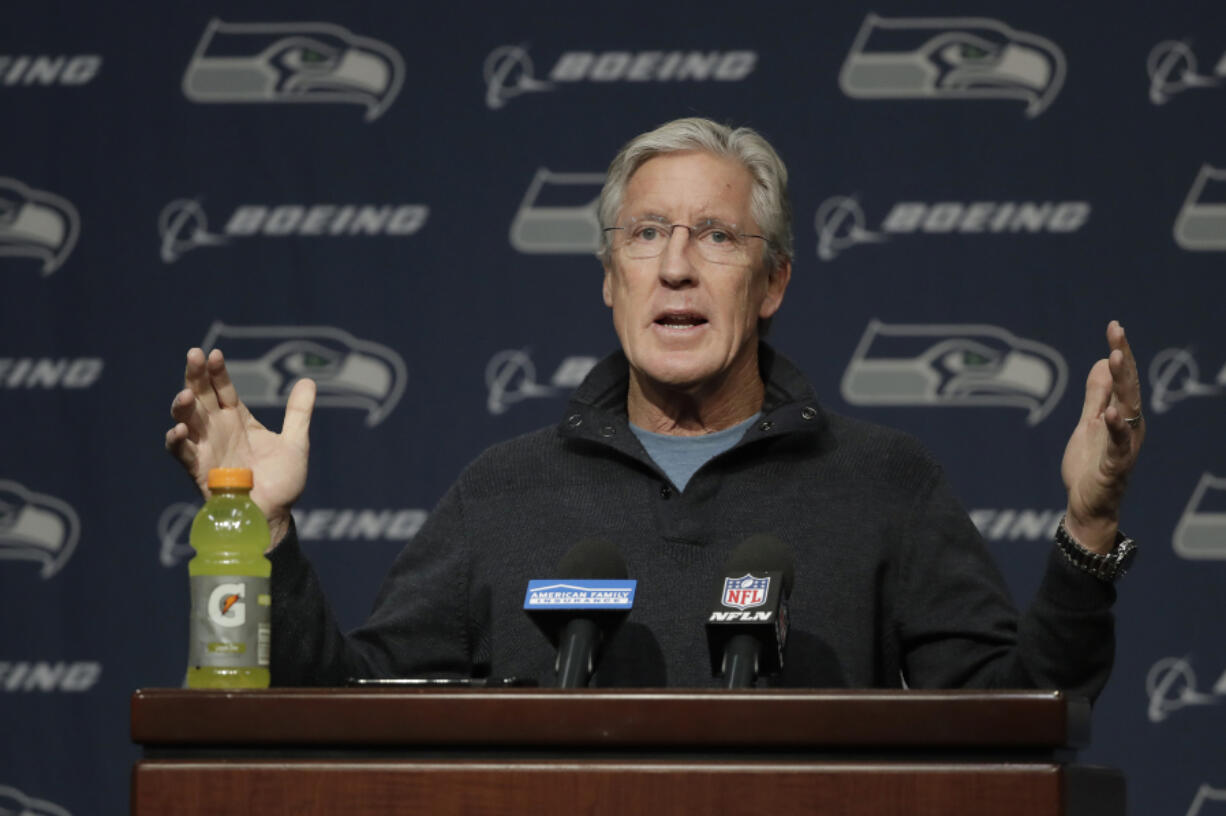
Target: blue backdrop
[399,201]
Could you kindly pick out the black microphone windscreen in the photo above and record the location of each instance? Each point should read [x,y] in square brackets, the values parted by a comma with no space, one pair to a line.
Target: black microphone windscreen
[593,559]
[763,552]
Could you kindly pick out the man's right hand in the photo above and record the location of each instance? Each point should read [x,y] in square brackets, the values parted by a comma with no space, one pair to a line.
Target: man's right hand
[214,429]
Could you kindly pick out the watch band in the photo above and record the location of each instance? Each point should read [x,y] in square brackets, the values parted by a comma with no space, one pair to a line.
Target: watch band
[1105,566]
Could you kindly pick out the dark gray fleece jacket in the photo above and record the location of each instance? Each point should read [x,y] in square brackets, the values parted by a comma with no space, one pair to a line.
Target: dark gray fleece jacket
[893,581]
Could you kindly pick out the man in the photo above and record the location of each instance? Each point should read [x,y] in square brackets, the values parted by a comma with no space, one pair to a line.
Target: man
[692,437]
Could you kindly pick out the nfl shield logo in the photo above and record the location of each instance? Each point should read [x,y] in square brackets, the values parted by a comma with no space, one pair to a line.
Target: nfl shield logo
[745,592]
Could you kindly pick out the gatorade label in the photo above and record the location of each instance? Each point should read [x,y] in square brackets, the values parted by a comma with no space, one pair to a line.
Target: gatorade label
[231,621]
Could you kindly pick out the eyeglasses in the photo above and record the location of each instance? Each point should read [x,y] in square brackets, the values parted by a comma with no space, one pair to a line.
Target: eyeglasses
[718,242]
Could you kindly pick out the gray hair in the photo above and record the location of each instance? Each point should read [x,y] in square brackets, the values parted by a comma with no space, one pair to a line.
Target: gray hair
[768,204]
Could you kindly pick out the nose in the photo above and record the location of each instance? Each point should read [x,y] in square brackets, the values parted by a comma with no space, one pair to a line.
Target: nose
[677,271]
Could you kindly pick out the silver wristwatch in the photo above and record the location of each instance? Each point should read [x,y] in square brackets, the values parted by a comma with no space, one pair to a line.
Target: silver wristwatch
[1106,566]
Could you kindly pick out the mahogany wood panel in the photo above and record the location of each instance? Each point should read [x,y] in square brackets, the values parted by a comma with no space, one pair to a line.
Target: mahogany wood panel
[273,788]
[634,718]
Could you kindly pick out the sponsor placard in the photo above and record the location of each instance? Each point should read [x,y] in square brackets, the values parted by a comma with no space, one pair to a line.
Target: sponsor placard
[584,594]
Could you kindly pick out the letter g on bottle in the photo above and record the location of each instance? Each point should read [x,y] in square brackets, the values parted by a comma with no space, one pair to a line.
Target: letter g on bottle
[226,606]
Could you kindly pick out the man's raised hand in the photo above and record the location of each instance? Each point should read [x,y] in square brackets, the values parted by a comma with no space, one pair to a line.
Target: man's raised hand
[214,429]
[1104,446]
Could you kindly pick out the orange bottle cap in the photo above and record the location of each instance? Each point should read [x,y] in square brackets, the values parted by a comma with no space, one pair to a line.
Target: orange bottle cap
[230,477]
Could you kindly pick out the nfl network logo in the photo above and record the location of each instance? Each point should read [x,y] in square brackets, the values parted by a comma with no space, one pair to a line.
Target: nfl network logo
[745,592]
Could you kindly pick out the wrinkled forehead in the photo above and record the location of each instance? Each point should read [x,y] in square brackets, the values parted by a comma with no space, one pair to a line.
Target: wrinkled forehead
[687,186]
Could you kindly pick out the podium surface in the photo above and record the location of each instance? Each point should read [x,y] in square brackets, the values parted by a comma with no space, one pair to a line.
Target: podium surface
[367,751]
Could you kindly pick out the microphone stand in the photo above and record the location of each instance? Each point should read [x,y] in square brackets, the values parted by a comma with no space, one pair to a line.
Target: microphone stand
[576,653]
[741,661]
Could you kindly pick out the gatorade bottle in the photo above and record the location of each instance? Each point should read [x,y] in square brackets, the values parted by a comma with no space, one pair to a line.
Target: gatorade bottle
[231,604]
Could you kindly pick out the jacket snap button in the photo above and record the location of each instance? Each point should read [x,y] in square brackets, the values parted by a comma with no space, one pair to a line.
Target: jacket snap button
[607,431]
[574,420]
[765,425]
[808,412]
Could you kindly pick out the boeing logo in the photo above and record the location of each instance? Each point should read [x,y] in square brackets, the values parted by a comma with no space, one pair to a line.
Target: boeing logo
[1201,531]
[37,675]
[293,62]
[183,225]
[1174,376]
[45,69]
[174,528]
[1172,69]
[508,73]
[1207,802]
[954,365]
[17,803]
[49,372]
[313,524]
[1201,223]
[1171,685]
[510,377]
[1017,525]
[952,58]
[841,224]
[36,527]
[509,70]
[37,224]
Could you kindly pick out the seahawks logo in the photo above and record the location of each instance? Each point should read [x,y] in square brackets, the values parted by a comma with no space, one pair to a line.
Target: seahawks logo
[36,224]
[36,527]
[952,58]
[264,362]
[942,365]
[293,62]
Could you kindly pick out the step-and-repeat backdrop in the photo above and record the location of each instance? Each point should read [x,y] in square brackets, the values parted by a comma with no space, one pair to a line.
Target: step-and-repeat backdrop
[399,200]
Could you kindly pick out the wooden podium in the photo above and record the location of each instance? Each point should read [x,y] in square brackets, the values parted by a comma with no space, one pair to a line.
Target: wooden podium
[541,751]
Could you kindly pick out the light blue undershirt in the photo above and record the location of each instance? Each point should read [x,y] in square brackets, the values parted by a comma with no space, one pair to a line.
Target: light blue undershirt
[680,457]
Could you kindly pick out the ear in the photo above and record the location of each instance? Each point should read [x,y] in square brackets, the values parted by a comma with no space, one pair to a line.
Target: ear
[776,284]
[607,288]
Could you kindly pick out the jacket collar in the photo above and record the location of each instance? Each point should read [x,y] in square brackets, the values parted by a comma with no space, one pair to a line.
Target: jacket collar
[597,409]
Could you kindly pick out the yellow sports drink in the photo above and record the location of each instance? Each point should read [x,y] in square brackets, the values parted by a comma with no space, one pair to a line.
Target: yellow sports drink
[231,602]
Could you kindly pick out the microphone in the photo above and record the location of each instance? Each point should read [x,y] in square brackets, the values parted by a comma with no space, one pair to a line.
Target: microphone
[577,610]
[747,629]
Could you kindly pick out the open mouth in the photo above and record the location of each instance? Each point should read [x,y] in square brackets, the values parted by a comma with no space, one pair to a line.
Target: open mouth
[680,320]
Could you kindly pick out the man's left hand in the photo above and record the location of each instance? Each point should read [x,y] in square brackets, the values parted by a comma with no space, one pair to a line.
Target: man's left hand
[1103,448]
